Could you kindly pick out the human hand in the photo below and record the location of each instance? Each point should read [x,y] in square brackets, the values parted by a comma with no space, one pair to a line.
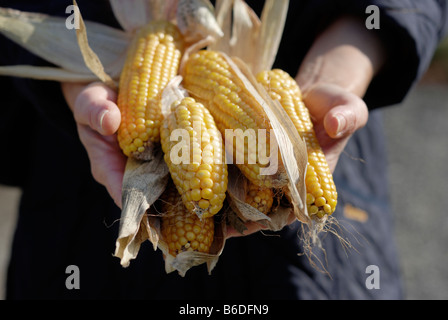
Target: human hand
[334,77]
[98,118]
[337,114]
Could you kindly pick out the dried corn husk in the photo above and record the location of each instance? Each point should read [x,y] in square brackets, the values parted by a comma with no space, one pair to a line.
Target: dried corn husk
[184,261]
[196,20]
[91,53]
[247,37]
[143,183]
[132,14]
[48,38]
[103,49]
[188,259]
[253,44]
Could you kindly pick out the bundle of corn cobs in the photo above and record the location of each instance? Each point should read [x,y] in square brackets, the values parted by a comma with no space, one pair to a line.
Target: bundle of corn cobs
[214,137]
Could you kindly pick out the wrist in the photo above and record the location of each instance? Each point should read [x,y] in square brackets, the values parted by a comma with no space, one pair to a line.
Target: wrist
[346,54]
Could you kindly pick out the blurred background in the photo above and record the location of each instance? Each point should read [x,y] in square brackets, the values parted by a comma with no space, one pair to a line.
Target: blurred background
[417,133]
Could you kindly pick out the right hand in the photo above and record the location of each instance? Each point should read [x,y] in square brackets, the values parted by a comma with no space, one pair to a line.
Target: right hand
[98,118]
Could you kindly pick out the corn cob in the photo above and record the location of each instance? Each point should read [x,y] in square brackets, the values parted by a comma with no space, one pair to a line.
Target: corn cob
[321,191]
[152,61]
[209,78]
[181,229]
[201,179]
[260,198]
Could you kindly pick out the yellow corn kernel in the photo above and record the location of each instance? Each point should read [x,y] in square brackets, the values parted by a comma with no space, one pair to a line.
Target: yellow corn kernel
[321,190]
[210,79]
[181,229]
[260,198]
[194,179]
[152,60]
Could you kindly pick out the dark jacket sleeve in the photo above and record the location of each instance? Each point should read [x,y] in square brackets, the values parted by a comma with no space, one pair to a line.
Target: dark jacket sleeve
[411,31]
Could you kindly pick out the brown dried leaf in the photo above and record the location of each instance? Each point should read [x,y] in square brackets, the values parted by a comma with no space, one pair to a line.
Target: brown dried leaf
[90,58]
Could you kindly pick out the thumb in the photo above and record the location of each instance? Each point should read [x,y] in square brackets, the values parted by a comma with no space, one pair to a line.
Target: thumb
[95,106]
[344,119]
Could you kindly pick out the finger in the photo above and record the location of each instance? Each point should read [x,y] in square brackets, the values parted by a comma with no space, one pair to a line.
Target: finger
[106,160]
[343,120]
[340,112]
[95,107]
[251,227]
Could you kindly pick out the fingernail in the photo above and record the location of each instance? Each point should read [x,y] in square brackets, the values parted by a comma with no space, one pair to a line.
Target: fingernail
[102,115]
[342,124]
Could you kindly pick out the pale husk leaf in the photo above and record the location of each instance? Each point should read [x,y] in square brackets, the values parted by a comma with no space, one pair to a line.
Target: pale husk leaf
[245,33]
[275,220]
[273,20]
[241,28]
[223,9]
[292,147]
[46,73]
[246,37]
[173,92]
[236,196]
[252,58]
[196,20]
[133,14]
[48,38]
[184,261]
[236,192]
[143,183]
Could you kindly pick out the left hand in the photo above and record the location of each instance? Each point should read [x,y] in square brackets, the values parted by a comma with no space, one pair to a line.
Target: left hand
[337,114]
